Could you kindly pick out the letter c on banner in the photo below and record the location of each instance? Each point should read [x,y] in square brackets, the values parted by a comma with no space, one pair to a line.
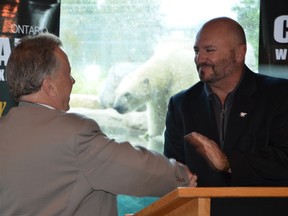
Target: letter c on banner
[2,106]
[281,29]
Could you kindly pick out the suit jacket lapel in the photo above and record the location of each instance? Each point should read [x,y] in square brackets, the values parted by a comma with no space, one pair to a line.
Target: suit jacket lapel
[201,112]
[243,103]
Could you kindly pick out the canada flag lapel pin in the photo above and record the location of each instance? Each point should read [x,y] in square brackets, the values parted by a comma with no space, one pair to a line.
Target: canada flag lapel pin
[243,114]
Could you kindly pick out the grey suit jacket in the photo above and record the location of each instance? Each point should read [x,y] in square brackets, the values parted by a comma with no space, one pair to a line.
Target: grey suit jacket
[57,163]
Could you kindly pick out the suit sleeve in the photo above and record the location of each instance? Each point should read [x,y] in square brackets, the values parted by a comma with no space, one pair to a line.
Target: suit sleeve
[174,143]
[121,168]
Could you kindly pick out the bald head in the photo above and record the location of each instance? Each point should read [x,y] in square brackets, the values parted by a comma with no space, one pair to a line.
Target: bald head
[220,49]
[227,27]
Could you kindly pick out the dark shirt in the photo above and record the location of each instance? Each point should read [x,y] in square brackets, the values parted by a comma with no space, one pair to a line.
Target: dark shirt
[222,112]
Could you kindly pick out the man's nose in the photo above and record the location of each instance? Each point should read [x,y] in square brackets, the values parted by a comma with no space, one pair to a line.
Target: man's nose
[73,80]
[200,57]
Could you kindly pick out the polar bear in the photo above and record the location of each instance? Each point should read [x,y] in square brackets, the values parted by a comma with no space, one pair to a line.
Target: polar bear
[167,72]
[114,77]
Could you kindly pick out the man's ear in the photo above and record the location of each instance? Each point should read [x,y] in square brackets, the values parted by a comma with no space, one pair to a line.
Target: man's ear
[48,87]
[241,52]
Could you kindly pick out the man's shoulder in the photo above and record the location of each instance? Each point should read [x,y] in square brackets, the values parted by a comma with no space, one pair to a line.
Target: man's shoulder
[73,117]
[271,83]
[262,83]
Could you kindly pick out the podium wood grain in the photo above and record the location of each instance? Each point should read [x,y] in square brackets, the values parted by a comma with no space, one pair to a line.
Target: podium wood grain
[196,201]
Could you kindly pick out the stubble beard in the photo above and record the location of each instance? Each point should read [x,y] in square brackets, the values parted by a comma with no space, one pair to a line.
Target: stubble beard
[210,77]
[216,73]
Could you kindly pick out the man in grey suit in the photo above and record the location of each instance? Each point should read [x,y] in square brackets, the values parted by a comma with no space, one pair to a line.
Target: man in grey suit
[58,163]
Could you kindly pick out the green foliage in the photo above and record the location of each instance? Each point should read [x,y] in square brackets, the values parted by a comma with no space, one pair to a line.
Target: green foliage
[248,13]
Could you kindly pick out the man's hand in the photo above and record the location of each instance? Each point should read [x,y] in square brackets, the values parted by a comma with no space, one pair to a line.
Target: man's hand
[210,150]
[192,177]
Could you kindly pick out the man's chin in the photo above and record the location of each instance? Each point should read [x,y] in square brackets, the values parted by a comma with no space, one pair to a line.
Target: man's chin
[202,77]
[205,76]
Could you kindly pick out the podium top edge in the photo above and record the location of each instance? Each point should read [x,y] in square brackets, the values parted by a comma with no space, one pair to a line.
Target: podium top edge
[231,192]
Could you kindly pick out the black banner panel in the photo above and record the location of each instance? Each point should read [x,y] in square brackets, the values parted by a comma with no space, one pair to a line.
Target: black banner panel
[19,18]
[273,38]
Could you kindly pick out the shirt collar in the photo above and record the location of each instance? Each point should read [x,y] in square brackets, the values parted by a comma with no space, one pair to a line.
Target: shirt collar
[45,105]
[40,104]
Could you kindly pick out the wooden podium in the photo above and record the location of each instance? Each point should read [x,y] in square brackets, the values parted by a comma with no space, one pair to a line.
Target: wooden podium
[196,201]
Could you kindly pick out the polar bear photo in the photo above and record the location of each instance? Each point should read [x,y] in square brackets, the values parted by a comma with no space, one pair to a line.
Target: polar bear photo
[170,70]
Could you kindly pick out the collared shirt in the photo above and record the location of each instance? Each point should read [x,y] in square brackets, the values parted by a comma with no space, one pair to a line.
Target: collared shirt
[45,105]
[41,104]
[221,112]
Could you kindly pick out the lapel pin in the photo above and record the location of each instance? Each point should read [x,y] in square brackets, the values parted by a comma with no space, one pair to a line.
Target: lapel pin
[243,114]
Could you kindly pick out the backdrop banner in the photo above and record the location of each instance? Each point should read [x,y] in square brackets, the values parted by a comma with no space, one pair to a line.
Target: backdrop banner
[273,43]
[19,18]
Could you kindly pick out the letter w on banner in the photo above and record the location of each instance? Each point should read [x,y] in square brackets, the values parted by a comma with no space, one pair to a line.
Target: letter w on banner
[273,46]
[17,19]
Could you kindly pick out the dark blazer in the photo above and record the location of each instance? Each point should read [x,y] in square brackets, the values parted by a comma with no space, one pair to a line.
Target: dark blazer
[256,140]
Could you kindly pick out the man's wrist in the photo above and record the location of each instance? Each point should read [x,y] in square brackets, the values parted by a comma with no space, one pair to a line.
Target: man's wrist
[227,167]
